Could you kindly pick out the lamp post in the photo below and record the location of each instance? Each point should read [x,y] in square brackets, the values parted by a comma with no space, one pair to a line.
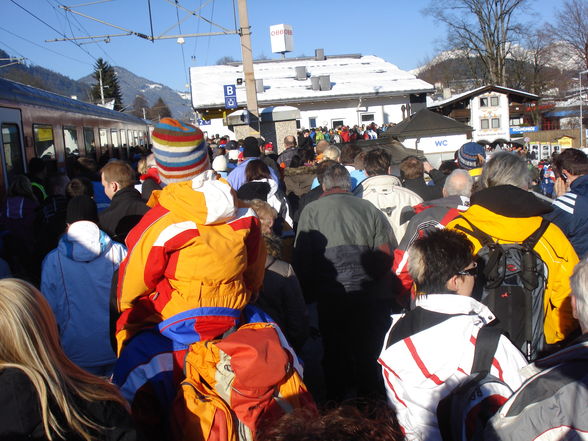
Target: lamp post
[581,116]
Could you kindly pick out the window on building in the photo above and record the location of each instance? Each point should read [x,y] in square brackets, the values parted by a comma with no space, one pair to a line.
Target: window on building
[367,117]
[494,101]
[13,155]
[337,123]
[44,144]
[484,123]
[495,123]
[70,141]
[298,125]
[516,121]
[311,123]
[483,102]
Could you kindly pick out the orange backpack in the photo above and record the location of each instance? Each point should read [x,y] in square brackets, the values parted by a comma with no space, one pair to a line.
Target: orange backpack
[236,384]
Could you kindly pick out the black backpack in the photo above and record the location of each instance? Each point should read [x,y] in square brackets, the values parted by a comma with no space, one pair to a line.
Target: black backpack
[463,414]
[511,282]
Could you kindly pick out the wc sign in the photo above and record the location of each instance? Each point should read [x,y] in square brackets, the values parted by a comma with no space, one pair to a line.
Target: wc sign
[230,96]
[441,143]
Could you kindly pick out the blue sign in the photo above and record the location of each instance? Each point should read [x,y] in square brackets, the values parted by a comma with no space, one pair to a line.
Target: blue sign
[203,122]
[230,96]
[521,129]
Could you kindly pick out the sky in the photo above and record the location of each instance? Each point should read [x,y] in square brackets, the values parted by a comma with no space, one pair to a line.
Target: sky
[395,30]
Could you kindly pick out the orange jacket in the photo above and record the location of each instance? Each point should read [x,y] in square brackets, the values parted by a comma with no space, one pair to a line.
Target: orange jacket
[196,249]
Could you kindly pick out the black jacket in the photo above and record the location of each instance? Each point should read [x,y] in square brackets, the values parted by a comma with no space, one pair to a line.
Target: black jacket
[21,418]
[125,211]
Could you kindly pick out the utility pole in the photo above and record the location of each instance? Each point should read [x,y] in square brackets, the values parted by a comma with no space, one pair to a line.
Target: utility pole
[101,86]
[247,55]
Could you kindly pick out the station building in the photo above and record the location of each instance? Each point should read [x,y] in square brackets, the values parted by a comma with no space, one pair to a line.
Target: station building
[328,91]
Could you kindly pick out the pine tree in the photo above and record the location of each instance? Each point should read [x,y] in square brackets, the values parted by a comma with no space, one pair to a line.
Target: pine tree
[140,107]
[160,110]
[110,86]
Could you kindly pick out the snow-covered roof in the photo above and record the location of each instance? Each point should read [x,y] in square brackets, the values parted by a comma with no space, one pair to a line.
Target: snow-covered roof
[479,90]
[351,76]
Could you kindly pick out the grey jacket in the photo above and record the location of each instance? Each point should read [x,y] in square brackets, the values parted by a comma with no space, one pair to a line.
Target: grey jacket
[552,404]
[342,244]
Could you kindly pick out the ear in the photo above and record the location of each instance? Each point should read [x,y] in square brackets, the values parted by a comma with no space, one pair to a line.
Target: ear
[453,283]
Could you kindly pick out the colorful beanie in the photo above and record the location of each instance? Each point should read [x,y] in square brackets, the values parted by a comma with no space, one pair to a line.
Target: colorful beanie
[467,155]
[180,150]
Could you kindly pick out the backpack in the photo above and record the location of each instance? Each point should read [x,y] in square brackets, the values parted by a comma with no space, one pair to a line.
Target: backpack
[237,384]
[463,414]
[511,282]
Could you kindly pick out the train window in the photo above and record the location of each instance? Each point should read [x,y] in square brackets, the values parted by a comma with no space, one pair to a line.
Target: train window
[114,137]
[12,151]
[44,145]
[89,142]
[130,138]
[115,143]
[103,142]
[70,140]
[136,137]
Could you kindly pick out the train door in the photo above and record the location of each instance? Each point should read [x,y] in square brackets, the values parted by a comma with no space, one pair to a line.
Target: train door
[13,155]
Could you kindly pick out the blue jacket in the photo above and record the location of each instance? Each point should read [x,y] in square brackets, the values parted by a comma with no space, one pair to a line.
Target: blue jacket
[570,213]
[75,280]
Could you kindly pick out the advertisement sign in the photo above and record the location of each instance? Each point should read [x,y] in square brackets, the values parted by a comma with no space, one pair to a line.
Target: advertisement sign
[282,38]
[521,129]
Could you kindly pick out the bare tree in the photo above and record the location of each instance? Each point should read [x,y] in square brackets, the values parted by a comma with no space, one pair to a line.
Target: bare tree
[572,27]
[485,28]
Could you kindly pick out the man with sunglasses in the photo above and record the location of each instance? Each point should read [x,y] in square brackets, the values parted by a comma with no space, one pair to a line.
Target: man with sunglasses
[430,349]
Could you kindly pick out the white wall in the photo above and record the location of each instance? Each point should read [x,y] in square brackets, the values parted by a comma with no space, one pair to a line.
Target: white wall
[477,113]
[385,110]
[437,148]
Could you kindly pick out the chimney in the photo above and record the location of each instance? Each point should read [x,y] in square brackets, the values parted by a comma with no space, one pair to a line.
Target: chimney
[315,83]
[325,82]
[319,54]
[301,73]
[259,85]
[446,93]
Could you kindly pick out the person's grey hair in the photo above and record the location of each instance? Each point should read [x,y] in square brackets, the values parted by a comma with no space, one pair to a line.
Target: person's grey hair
[336,176]
[505,168]
[332,152]
[458,183]
[579,284]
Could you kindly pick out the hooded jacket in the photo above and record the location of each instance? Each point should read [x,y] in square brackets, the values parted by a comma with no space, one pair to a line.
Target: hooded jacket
[509,215]
[430,350]
[75,279]
[570,213]
[125,211]
[388,195]
[195,258]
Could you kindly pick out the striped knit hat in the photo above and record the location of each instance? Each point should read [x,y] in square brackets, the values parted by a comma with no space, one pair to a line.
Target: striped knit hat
[180,150]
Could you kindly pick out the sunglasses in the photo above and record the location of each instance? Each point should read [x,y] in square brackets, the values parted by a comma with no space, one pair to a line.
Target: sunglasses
[473,271]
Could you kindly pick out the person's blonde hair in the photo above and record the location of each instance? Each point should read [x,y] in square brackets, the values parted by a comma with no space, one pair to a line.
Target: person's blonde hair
[119,172]
[265,212]
[21,186]
[29,341]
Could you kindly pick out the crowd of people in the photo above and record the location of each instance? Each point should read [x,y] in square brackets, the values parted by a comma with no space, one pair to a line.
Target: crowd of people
[217,290]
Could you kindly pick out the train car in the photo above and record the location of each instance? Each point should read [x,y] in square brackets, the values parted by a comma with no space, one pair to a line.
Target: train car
[37,123]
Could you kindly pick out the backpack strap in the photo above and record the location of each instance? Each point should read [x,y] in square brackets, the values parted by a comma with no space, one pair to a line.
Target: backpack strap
[532,240]
[482,237]
[486,345]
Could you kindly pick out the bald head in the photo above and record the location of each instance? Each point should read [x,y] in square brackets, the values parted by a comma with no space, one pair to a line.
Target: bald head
[458,183]
[321,146]
[289,142]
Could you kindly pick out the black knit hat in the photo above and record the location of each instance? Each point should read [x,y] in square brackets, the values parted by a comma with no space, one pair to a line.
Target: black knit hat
[81,208]
[251,148]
